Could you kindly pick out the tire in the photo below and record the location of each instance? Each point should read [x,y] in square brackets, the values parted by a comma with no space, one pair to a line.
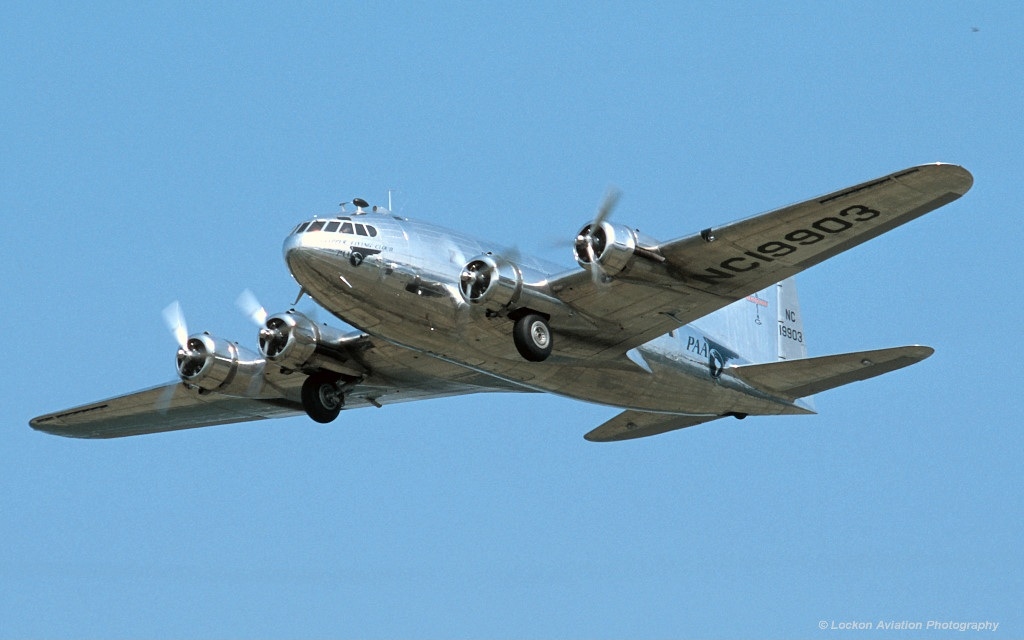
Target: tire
[532,337]
[321,398]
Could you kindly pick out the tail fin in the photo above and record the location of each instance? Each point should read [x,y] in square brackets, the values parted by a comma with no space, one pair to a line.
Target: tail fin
[763,327]
[790,338]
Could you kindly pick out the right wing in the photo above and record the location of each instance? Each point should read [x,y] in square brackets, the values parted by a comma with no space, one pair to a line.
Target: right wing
[395,375]
[166,408]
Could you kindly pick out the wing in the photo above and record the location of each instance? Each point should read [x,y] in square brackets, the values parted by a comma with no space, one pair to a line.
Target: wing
[395,375]
[167,408]
[677,282]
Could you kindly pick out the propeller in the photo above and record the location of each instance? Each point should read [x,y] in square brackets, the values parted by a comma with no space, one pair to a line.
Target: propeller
[185,360]
[475,279]
[271,339]
[251,307]
[175,320]
[191,352]
[592,242]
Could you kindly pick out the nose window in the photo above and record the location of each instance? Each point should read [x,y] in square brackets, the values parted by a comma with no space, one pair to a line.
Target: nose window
[341,226]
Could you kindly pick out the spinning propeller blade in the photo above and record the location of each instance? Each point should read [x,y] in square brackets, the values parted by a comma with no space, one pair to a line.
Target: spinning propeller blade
[251,307]
[175,320]
[591,239]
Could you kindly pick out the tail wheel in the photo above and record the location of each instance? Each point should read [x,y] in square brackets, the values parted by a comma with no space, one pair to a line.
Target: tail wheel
[532,337]
[321,397]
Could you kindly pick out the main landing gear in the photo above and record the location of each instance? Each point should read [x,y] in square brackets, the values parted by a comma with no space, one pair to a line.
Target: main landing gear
[532,337]
[321,397]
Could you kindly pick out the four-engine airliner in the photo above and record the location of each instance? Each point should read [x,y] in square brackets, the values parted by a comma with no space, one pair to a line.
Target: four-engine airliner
[673,333]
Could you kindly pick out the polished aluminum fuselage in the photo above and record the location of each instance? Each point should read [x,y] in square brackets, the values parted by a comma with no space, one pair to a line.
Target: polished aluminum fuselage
[398,280]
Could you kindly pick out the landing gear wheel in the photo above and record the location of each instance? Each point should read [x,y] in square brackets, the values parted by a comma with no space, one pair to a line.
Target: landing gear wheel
[532,336]
[321,398]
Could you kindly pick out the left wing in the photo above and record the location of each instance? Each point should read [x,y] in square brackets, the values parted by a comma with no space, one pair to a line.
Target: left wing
[685,279]
[394,375]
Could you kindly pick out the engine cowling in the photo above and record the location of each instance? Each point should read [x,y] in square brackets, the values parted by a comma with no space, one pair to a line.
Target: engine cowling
[487,280]
[612,246]
[292,341]
[213,364]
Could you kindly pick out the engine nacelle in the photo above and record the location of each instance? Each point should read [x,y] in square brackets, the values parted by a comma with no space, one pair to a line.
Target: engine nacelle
[613,246]
[213,364]
[485,280]
[292,341]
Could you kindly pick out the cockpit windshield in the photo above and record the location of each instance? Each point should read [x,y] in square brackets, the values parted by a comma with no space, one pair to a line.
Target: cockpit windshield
[342,225]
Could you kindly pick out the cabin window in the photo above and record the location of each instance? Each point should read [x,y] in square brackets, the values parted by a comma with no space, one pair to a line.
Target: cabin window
[347,227]
[317,225]
[301,227]
[372,231]
[332,226]
[361,230]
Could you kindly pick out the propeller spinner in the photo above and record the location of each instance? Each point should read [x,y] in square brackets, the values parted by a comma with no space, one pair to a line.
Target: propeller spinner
[592,239]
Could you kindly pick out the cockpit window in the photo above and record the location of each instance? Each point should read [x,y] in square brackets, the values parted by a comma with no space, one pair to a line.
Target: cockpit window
[340,226]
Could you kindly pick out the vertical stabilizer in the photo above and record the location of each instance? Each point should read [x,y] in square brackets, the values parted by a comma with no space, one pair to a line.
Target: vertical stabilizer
[791,344]
[763,327]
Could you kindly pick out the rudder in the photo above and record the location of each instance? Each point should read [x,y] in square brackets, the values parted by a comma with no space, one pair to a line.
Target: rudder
[790,342]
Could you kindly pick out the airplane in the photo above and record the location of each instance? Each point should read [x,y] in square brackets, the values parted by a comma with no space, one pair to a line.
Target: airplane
[673,334]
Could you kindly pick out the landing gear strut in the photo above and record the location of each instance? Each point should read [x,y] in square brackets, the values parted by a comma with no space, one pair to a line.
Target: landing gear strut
[321,397]
[532,337]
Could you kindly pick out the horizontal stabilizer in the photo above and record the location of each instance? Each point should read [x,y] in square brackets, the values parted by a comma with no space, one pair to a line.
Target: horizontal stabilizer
[801,378]
[639,424]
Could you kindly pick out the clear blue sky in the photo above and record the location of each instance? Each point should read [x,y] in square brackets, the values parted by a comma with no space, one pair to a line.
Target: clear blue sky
[160,152]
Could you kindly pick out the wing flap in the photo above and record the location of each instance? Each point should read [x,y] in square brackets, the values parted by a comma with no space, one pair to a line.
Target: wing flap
[801,378]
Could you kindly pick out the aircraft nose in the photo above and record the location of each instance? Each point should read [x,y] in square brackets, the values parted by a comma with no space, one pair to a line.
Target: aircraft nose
[308,262]
[291,244]
[298,255]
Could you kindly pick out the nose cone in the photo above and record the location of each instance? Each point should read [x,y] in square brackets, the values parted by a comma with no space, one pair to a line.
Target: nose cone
[313,265]
[299,256]
[292,245]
